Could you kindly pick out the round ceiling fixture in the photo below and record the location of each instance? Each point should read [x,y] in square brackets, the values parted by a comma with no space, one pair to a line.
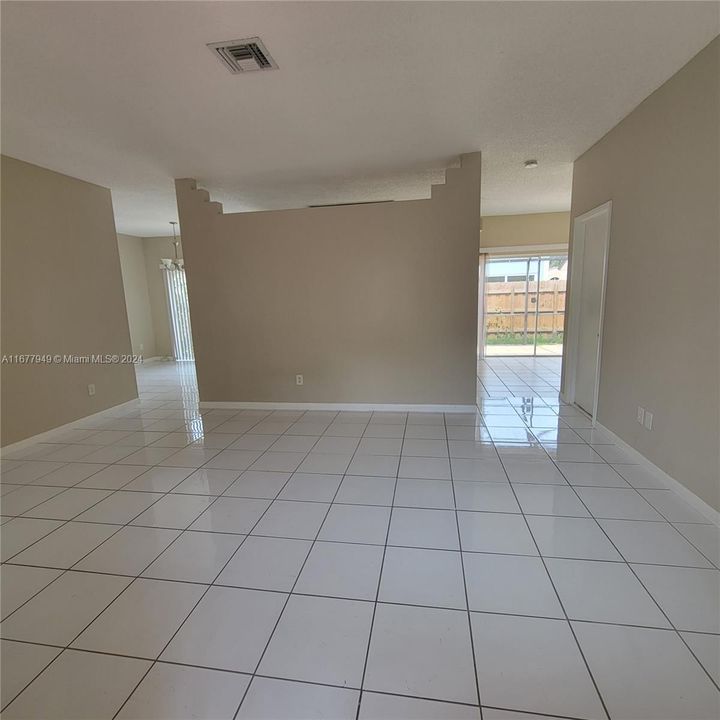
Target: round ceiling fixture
[529,164]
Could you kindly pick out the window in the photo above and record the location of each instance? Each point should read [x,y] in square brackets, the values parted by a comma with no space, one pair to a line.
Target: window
[525,305]
[179,313]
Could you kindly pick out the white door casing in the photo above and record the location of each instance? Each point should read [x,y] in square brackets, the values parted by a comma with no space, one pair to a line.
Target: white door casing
[590,250]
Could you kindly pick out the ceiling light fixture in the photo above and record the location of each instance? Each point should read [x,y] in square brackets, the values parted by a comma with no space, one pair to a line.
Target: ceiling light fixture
[177,262]
[529,164]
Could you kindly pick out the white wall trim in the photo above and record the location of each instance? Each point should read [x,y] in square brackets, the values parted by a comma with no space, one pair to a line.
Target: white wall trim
[570,360]
[670,482]
[47,435]
[523,249]
[379,407]
[154,358]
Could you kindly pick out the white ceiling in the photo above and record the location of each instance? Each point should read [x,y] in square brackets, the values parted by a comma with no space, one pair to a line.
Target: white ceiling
[372,100]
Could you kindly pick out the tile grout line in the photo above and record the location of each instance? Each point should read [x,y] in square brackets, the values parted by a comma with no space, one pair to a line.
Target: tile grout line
[637,577]
[176,663]
[65,571]
[267,415]
[71,569]
[120,527]
[68,569]
[464,577]
[111,493]
[211,585]
[154,661]
[562,605]
[380,574]
[174,493]
[363,600]
[186,529]
[362,544]
[290,592]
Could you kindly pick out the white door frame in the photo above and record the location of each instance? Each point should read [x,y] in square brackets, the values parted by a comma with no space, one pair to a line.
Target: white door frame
[576,263]
[482,259]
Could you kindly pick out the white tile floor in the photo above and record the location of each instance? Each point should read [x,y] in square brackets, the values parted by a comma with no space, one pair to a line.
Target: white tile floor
[163,562]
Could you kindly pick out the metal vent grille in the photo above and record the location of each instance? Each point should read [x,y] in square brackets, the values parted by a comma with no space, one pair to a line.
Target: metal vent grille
[240,56]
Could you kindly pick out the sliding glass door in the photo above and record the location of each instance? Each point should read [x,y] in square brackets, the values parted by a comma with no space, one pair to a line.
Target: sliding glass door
[525,305]
[179,313]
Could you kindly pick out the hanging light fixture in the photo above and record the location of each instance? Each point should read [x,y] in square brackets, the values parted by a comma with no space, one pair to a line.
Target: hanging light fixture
[177,262]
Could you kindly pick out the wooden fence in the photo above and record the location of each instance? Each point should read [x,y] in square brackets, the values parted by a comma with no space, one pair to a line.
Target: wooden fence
[513,307]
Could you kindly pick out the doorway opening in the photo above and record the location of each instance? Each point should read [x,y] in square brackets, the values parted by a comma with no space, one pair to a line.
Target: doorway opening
[524,305]
[591,245]
[179,313]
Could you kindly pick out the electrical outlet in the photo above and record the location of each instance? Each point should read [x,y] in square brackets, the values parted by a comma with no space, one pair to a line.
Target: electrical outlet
[91,389]
[299,380]
[641,415]
[648,420]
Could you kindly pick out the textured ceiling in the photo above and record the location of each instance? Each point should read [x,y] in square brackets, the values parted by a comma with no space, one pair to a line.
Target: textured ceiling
[372,100]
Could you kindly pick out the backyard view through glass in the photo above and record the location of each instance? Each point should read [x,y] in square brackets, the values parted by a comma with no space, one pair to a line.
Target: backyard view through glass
[525,304]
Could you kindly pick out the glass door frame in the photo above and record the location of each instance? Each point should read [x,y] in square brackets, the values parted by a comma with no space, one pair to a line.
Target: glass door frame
[531,296]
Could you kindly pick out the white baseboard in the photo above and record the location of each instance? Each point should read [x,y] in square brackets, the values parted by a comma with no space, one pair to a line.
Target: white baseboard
[47,435]
[379,407]
[670,482]
[154,358]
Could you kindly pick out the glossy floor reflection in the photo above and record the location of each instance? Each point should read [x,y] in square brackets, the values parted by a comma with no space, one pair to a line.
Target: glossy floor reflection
[164,561]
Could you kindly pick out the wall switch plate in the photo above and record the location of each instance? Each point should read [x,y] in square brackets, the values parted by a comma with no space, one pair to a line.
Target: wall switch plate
[299,380]
[648,420]
[91,389]
[640,415]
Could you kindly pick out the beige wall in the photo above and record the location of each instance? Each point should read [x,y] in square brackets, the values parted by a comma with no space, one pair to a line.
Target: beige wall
[61,294]
[145,292]
[532,229]
[371,303]
[157,248]
[137,298]
[661,341]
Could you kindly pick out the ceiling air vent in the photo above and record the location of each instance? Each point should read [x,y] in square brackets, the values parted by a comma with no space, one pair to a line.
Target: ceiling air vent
[243,55]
